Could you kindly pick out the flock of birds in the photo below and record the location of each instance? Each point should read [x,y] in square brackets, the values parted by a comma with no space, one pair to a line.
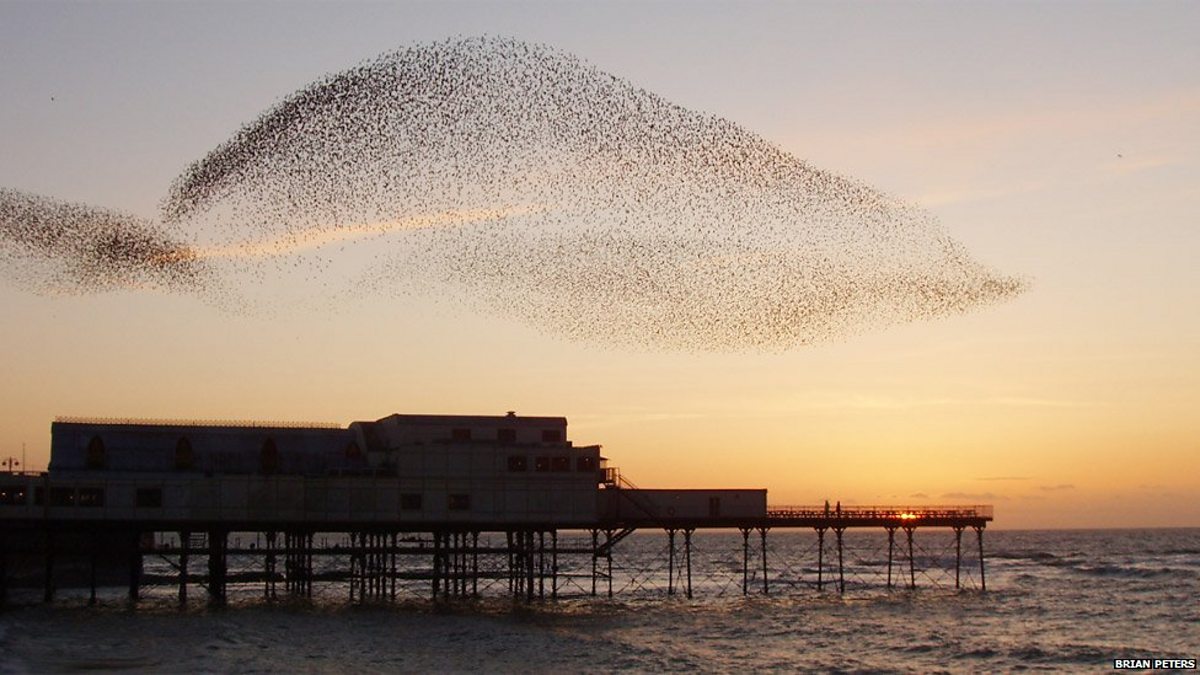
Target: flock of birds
[517,180]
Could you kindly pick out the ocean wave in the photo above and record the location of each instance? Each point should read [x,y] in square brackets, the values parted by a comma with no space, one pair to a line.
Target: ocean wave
[1023,555]
[1058,654]
[1132,571]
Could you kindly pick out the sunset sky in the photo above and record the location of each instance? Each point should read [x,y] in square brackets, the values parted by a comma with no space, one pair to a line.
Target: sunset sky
[1057,141]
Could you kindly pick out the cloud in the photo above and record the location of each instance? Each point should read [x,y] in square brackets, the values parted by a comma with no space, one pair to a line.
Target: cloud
[1002,126]
[1056,488]
[627,417]
[955,195]
[918,495]
[1126,165]
[839,402]
[1003,478]
[1006,129]
[1031,402]
[973,496]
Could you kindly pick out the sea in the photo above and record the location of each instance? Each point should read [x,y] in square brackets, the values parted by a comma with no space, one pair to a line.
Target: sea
[1070,600]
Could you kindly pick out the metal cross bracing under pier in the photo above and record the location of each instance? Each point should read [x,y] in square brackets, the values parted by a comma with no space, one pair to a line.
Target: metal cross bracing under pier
[845,549]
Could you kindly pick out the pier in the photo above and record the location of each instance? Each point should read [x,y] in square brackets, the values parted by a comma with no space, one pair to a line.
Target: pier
[431,507]
[369,562]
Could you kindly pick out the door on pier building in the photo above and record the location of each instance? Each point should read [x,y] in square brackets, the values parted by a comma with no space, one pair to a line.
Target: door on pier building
[714,507]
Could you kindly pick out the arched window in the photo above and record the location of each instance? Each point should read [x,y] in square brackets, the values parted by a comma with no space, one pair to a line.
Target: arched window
[268,457]
[97,457]
[185,459]
[352,452]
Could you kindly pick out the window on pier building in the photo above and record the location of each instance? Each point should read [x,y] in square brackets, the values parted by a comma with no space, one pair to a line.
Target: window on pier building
[560,463]
[268,457]
[91,496]
[185,459]
[714,507]
[518,463]
[460,434]
[459,502]
[97,457]
[12,495]
[584,464]
[410,502]
[148,498]
[506,435]
[551,436]
[352,452]
[541,464]
[62,496]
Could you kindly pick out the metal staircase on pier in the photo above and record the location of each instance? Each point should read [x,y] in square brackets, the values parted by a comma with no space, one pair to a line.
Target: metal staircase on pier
[627,492]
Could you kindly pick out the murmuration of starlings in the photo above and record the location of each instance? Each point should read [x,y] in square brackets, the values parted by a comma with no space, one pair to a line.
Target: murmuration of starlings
[514,179]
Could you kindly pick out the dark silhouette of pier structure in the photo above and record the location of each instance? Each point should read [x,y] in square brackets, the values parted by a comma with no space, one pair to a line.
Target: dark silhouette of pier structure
[466,506]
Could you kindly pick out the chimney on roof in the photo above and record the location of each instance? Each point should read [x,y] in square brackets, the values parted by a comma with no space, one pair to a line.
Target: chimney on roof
[512,413]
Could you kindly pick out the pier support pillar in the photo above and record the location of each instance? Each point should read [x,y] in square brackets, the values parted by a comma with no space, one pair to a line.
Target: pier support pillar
[687,548]
[269,567]
[762,533]
[48,587]
[820,558]
[308,564]
[437,563]
[958,530]
[595,554]
[541,565]
[217,546]
[296,558]
[474,564]
[745,560]
[93,553]
[670,561]
[358,541]
[608,547]
[392,553]
[912,569]
[135,565]
[508,548]
[366,566]
[529,552]
[185,542]
[841,566]
[982,578]
[891,532]
[4,550]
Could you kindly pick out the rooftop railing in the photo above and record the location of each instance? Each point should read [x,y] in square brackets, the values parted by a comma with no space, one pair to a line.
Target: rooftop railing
[253,424]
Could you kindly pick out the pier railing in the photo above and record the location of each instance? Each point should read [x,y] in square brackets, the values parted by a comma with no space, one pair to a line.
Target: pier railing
[916,514]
